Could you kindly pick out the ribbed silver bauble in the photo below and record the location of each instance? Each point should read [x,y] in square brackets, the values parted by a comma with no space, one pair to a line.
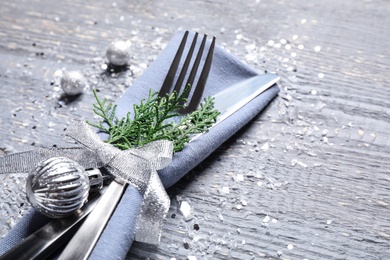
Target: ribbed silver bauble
[118,53]
[58,187]
[73,82]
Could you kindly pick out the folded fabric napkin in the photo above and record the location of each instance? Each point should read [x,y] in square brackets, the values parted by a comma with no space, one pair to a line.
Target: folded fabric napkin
[118,235]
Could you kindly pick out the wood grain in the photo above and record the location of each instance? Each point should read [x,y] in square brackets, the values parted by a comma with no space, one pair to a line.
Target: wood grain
[309,178]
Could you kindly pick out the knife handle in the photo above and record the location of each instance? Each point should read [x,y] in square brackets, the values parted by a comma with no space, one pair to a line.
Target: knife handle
[46,240]
[83,242]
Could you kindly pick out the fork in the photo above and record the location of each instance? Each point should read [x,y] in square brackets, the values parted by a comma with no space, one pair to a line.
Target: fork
[83,242]
[166,88]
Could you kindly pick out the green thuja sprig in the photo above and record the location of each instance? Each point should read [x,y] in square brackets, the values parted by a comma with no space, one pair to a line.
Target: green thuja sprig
[153,119]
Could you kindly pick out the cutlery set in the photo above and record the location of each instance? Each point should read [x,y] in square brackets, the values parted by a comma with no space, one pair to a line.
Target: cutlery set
[79,232]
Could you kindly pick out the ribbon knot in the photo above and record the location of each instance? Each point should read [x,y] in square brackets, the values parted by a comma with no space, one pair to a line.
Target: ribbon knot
[135,166]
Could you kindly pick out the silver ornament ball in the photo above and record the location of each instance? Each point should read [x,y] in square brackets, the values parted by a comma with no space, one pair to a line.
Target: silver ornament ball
[58,187]
[73,82]
[118,53]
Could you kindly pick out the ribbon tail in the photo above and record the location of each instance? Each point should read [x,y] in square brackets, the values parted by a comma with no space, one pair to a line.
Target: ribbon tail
[24,162]
[153,211]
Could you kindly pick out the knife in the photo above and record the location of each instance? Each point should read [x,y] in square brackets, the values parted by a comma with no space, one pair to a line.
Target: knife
[46,240]
[226,102]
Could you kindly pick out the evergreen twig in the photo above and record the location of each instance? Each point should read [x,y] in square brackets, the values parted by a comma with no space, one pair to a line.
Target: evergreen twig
[154,119]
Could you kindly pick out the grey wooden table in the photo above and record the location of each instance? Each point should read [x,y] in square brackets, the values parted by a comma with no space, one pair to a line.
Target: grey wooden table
[309,178]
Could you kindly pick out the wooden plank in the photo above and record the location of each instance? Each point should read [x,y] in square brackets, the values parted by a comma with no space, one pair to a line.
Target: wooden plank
[307,179]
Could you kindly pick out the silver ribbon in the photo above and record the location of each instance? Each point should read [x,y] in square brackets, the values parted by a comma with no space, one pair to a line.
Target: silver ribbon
[135,166]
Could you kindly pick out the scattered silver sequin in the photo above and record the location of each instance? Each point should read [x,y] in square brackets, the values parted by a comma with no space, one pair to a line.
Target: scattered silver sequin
[73,82]
[185,210]
[224,190]
[118,53]
[239,177]
[264,147]
[220,217]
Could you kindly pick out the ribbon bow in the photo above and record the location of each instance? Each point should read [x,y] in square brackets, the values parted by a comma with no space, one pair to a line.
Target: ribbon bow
[135,166]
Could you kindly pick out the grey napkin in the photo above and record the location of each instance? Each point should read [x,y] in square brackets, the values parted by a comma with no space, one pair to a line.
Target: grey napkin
[226,70]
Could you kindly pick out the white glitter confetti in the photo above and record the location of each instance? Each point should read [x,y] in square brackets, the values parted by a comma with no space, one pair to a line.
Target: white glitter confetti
[293,54]
[185,209]
[265,147]
[290,247]
[58,73]
[325,132]
[317,48]
[303,21]
[321,75]
[283,41]
[239,177]
[301,47]
[295,37]
[266,219]
[297,162]
[244,202]
[191,257]
[287,47]
[277,45]
[329,221]
[224,190]
[271,42]
[274,220]
[250,57]
[220,216]
[313,92]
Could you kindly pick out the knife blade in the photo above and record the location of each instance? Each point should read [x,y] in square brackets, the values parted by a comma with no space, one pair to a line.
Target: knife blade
[46,240]
[227,102]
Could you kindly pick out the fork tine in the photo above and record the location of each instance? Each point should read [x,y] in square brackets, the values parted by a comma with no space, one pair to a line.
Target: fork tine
[195,66]
[198,92]
[183,72]
[172,70]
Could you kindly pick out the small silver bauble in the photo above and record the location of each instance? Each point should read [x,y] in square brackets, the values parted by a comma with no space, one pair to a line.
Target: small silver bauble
[118,53]
[73,82]
[58,187]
